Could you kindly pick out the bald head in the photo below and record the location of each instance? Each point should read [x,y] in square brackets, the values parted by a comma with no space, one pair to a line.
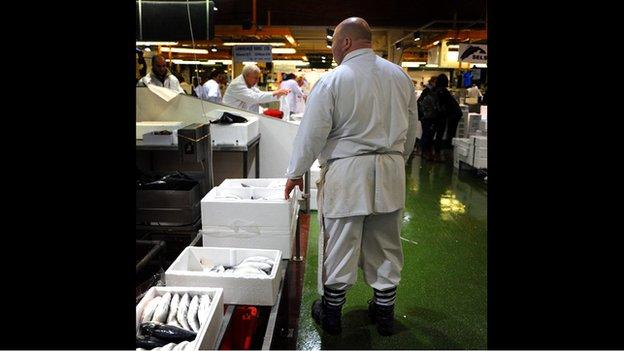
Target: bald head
[159,66]
[351,34]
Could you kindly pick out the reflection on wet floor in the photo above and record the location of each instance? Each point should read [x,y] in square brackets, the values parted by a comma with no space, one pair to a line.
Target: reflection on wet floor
[442,298]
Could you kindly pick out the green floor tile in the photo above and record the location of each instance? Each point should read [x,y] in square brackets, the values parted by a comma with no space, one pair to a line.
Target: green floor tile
[442,297]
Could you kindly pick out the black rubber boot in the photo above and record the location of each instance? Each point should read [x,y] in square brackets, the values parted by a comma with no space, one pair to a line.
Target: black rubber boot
[328,317]
[383,316]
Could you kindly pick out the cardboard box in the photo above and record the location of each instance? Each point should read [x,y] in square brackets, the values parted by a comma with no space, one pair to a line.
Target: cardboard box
[207,335]
[244,290]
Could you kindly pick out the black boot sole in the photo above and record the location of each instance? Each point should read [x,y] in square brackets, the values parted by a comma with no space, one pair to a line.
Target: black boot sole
[318,317]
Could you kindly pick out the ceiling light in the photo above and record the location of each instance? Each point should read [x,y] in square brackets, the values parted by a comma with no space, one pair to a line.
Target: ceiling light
[291,62]
[417,36]
[329,44]
[431,65]
[436,42]
[213,49]
[241,43]
[329,33]
[397,46]
[249,62]
[322,57]
[283,51]
[323,61]
[150,43]
[305,58]
[334,64]
[216,62]
[290,39]
[456,46]
[184,50]
[215,8]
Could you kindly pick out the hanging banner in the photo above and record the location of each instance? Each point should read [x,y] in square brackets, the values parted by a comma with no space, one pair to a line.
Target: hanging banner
[255,53]
[476,53]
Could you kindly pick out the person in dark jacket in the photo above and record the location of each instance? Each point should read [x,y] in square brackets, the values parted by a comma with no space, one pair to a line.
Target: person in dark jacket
[427,118]
[451,112]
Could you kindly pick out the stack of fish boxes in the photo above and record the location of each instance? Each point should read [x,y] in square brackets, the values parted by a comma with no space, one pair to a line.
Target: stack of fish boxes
[192,268]
[474,120]
[463,122]
[472,151]
[248,213]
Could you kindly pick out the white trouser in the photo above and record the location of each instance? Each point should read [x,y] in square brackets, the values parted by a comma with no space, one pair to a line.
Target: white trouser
[371,242]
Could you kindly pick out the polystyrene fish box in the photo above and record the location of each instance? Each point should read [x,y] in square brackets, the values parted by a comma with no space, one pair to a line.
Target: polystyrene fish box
[271,183]
[479,141]
[463,142]
[235,133]
[483,111]
[247,207]
[268,238]
[313,203]
[480,163]
[483,125]
[241,290]
[462,151]
[155,126]
[207,335]
[315,174]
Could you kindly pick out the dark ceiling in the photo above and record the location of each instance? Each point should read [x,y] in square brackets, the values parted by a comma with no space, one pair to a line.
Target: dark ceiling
[387,13]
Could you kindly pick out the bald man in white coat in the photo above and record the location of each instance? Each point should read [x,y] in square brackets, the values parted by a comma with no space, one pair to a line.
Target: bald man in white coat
[243,94]
[360,121]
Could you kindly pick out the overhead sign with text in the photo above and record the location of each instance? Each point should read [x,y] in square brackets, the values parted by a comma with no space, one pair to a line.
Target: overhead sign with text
[476,53]
[255,53]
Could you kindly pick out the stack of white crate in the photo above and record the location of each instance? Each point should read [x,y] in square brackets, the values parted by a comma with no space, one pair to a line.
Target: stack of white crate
[472,151]
[250,213]
[463,122]
[474,120]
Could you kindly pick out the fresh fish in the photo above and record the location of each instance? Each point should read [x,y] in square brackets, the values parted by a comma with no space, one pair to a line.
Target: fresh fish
[149,342]
[248,270]
[204,305]
[180,346]
[183,311]
[160,314]
[148,311]
[206,264]
[190,345]
[258,259]
[218,269]
[173,308]
[168,347]
[192,313]
[174,322]
[259,265]
[166,332]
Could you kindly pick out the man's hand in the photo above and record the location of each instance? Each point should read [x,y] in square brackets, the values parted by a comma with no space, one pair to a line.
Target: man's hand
[281,92]
[290,185]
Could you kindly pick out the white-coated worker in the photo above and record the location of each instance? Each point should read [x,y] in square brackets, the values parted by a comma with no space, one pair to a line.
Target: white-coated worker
[161,76]
[212,90]
[295,94]
[243,94]
[360,121]
[474,92]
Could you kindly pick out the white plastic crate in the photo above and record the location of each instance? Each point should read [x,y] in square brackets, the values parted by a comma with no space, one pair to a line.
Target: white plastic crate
[244,290]
[235,133]
[155,126]
[479,141]
[271,183]
[207,334]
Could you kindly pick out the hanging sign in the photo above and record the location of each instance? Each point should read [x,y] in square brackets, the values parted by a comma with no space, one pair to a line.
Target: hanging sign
[476,53]
[242,53]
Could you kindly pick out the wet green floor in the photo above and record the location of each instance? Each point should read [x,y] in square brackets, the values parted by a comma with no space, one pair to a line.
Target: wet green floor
[442,297]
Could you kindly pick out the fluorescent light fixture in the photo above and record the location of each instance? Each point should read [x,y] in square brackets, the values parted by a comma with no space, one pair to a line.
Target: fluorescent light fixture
[215,8]
[431,65]
[397,46]
[323,61]
[412,64]
[249,62]
[291,62]
[183,62]
[305,58]
[149,43]
[213,49]
[184,50]
[243,43]
[416,39]
[329,34]
[329,44]
[436,42]
[417,36]
[334,64]
[456,46]
[283,51]
[329,37]
[323,57]
[290,39]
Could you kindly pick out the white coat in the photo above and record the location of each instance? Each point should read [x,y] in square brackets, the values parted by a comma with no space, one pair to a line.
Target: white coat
[367,105]
[171,82]
[294,95]
[239,96]
[211,91]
